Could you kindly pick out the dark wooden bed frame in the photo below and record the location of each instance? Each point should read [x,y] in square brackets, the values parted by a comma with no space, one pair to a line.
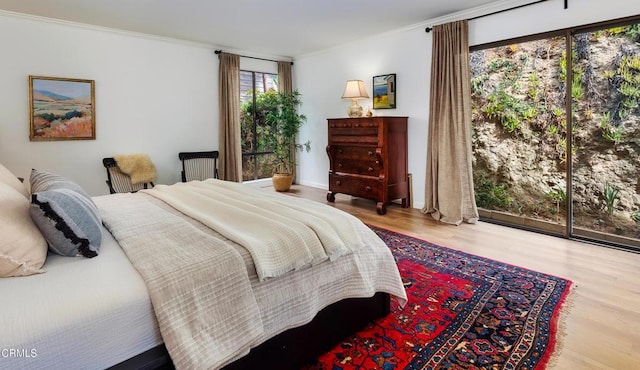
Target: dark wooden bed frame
[294,347]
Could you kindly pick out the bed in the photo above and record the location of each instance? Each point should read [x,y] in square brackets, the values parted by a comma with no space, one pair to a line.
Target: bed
[101,312]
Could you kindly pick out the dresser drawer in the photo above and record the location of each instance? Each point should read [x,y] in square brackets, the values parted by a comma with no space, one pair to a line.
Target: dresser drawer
[359,153]
[363,187]
[357,160]
[354,133]
[353,124]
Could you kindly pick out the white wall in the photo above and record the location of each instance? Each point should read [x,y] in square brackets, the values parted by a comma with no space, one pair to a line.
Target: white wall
[321,77]
[159,96]
[152,96]
[321,80]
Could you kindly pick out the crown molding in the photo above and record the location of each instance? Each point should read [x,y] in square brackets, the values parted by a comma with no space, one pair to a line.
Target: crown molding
[249,54]
[470,13]
[464,14]
[37,18]
[142,35]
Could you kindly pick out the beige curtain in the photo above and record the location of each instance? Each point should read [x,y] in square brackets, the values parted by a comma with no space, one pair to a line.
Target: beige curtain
[285,85]
[449,195]
[285,82]
[229,126]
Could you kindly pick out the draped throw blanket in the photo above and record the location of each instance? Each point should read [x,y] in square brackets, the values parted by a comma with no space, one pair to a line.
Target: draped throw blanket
[283,236]
[138,166]
[201,295]
[449,194]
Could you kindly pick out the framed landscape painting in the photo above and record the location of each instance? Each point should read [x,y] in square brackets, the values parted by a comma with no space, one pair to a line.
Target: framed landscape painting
[61,109]
[384,91]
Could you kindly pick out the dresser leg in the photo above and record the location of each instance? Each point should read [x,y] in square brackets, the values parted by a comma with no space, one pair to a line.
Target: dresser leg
[405,203]
[381,208]
[331,197]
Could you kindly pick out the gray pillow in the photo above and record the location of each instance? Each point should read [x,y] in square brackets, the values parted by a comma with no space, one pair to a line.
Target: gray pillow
[66,216]
[41,181]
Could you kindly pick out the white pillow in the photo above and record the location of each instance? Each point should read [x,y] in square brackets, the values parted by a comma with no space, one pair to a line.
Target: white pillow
[23,249]
[10,179]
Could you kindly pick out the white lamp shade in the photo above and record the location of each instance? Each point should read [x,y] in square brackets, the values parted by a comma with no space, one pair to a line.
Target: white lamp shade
[355,90]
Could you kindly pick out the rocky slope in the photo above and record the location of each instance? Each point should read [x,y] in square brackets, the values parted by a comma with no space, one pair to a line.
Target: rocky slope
[519,131]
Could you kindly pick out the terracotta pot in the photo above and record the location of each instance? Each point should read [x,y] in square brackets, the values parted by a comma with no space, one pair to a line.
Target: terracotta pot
[282,181]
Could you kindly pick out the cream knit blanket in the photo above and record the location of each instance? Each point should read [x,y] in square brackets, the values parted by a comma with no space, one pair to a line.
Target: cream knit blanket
[211,306]
[198,284]
[138,166]
[283,236]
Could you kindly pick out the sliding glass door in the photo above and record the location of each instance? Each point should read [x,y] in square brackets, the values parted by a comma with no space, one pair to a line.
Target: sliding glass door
[519,133]
[606,134]
[556,134]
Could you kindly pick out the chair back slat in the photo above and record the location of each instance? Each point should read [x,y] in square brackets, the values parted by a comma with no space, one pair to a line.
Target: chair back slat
[118,181]
[199,165]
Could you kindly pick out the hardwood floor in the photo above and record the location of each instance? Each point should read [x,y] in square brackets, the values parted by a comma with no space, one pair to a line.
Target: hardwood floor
[602,326]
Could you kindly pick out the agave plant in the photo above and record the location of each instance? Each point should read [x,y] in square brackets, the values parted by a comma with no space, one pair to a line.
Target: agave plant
[611,198]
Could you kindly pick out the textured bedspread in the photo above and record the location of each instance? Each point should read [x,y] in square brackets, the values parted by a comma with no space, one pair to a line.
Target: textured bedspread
[208,297]
[281,234]
[199,287]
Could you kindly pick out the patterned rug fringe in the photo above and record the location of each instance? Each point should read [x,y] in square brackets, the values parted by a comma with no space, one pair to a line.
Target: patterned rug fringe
[565,308]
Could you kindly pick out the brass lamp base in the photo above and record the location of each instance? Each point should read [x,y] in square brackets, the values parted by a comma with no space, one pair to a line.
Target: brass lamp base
[354,110]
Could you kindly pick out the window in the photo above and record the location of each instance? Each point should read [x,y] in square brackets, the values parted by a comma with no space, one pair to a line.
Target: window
[558,165]
[257,89]
[606,134]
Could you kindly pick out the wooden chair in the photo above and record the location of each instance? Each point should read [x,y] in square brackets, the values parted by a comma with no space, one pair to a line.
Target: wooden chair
[118,181]
[199,165]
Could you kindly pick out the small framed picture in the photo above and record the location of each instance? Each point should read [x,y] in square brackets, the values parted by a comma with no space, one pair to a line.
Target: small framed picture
[384,91]
[61,109]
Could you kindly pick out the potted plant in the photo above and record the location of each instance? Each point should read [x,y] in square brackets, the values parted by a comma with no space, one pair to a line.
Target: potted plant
[285,122]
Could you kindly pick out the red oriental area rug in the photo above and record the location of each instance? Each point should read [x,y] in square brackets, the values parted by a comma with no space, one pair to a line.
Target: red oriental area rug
[464,312]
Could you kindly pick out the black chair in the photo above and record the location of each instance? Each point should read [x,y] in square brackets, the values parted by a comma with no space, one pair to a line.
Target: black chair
[120,182]
[199,165]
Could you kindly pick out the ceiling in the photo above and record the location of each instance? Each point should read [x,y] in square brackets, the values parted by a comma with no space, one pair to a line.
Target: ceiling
[286,28]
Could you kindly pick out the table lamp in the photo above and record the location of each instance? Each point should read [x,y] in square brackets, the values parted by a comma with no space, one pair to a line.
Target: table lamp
[355,91]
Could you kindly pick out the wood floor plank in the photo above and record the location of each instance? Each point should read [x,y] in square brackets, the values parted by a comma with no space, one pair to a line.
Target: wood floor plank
[603,323]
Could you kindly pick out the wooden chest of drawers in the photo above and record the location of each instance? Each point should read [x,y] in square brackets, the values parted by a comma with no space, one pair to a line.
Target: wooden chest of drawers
[368,159]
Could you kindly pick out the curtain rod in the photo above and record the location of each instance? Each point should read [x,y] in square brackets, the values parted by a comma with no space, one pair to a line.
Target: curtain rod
[245,56]
[566,5]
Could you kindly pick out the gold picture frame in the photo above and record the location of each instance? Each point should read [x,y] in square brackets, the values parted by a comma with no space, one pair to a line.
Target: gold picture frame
[61,109]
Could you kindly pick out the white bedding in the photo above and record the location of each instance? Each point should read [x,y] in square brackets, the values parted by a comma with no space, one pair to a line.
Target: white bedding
[80,314]
[284,302]
[95,313]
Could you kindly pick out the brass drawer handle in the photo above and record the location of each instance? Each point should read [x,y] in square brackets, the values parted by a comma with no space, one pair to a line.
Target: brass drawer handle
[339,165]
[370,153]
[370,169]
[340,151]
[338,182]
[368,188]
